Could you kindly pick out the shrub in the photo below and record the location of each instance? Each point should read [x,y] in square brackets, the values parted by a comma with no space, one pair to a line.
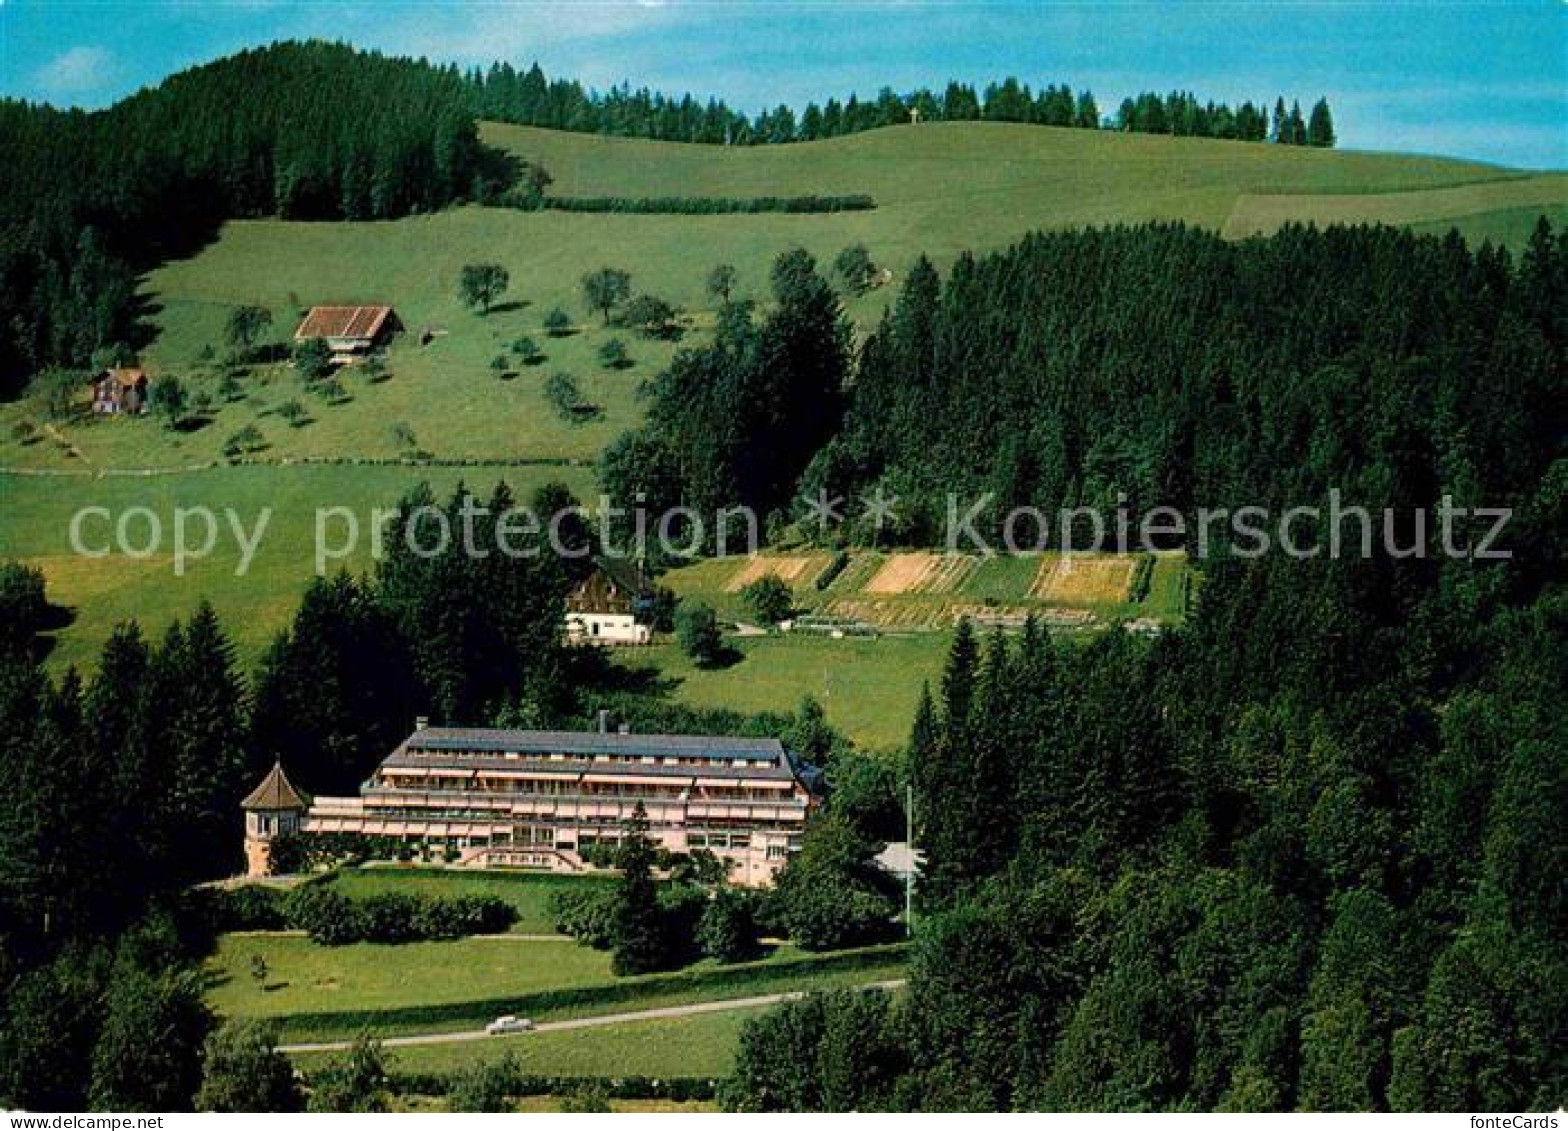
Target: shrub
[728,928]
[769,598]
[313,359]
[649,315]
[710,205]
[558,323]
[837,566]
[526,350]
[586,914]
[332,919]
[697,629]
[612,355]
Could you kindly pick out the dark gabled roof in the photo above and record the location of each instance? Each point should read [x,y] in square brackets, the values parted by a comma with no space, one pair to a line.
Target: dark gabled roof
[625,574]
[125,378]
[343,322]
[466,740]
[275,792]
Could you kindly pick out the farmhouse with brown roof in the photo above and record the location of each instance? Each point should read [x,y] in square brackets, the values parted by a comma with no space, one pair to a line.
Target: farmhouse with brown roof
[120,390]
[348,330]
[609,606]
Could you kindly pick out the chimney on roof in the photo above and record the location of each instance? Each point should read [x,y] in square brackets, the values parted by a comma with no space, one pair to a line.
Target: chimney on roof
[604,721]
[421,722]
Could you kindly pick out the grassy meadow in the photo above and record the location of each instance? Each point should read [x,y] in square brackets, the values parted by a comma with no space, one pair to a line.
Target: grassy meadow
[99,592]
[702,1045]
[316,992]
[940,189]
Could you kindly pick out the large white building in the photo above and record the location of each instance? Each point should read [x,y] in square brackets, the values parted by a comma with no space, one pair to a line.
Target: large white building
[544,799]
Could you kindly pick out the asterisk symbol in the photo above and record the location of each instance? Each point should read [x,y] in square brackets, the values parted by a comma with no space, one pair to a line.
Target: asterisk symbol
[879,509]
[824,509]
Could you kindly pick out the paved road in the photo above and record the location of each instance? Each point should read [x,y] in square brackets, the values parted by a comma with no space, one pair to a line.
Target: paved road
[590,1022]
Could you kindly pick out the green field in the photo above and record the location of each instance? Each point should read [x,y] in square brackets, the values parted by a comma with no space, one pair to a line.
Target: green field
[321,992]
[903,591]
[702,1045]
[940,189]
[869,687]
[99,592]
[529,893]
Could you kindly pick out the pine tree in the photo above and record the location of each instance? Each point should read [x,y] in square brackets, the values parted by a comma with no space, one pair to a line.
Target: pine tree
[1320,129]
[639,930]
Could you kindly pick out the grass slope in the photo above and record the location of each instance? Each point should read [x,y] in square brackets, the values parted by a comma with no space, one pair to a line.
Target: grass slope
[702,1045]
[318,992]
[99,592]
[940,189]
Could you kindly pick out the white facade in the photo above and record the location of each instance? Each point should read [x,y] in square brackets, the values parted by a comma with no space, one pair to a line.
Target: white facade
[605,628]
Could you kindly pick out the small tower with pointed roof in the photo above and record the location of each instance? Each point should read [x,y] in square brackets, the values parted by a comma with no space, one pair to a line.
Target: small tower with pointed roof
[272,809]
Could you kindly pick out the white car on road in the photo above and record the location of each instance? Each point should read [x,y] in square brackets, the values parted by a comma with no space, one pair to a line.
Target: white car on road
[508,1024]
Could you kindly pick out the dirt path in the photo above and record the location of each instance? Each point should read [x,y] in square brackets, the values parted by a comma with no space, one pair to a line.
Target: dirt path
[693,1010]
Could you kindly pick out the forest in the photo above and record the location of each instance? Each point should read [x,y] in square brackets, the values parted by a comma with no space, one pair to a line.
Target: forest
[1305,853]
[1302,853]
[1144,367]
[529,98]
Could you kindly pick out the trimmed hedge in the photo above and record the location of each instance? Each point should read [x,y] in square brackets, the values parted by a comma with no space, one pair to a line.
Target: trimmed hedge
[708,205]
[333,919]
[837,566]
[680,1089]
[602,994]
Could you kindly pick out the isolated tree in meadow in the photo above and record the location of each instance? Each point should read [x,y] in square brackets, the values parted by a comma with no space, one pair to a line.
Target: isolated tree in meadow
[605,289]
[527,350]
[480,284]
[769,598]
[650,315]
[612,355]
[855,268]
[245,325]
[721,282]
[558,323]
[639,929]
[169,398]
[697,628]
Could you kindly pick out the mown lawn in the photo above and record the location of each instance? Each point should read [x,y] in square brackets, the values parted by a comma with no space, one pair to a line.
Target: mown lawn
[528,892]
[702,1045]
[320,992]
[868,687]
[35,528]
[303,976]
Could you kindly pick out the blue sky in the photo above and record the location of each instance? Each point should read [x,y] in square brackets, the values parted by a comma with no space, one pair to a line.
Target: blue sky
[1481,80]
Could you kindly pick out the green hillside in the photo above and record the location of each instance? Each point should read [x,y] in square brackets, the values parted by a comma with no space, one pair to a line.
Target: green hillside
[940,189]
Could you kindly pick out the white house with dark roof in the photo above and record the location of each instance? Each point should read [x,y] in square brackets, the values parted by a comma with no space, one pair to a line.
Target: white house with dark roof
[547,799]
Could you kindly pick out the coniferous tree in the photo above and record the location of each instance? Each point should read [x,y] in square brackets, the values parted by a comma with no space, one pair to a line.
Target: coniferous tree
[640,946]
